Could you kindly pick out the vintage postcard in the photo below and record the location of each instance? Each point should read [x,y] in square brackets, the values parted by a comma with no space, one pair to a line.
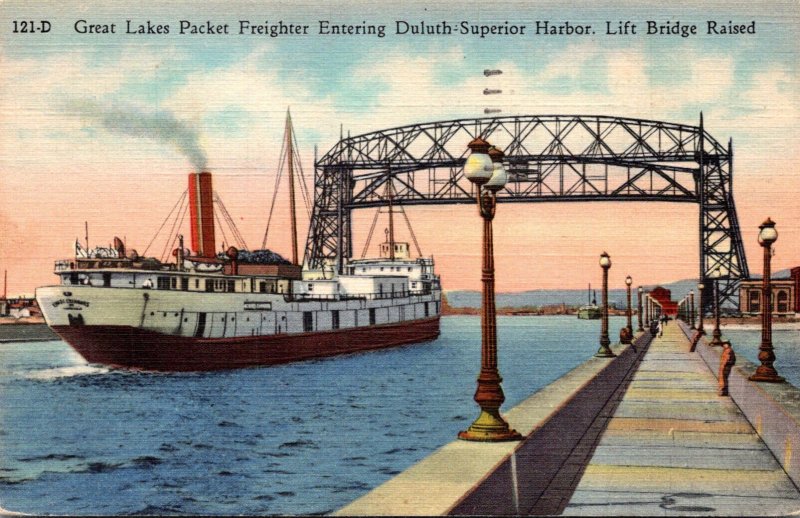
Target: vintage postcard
[399,258]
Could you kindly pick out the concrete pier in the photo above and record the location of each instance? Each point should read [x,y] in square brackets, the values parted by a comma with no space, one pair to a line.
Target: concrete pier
[644,433]
[674,447]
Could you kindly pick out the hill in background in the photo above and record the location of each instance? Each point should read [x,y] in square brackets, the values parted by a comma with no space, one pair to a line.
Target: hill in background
[616,297]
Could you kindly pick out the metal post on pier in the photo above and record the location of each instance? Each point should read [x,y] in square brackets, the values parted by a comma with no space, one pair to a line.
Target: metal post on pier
[639,310]
[716,335]
[766,354]
[605,350]
[484,168]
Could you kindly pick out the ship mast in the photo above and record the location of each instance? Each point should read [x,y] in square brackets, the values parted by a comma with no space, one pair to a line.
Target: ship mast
[290,164]
[391,221]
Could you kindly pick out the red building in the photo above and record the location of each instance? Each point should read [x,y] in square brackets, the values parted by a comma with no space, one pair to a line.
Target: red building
[664,297]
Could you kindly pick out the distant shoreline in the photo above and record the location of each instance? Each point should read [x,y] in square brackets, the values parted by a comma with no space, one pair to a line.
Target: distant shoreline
[25,331]
[23,321]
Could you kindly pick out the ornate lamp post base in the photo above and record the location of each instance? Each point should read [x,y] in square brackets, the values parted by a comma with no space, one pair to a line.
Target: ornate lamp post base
[489,427]
[766,375]
[605,352]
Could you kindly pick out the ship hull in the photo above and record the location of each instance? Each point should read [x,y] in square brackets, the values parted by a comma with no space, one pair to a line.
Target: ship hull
[136,348]
[590,313]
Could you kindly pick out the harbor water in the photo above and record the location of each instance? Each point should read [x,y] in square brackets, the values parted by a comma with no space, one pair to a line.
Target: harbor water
[299,438]
[786,344]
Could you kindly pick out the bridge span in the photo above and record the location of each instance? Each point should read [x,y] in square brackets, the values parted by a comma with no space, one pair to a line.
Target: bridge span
[549,158]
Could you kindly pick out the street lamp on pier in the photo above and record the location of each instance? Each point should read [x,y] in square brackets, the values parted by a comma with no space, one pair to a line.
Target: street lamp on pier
[626,338]
[700,288]
[716,335]
[484,168]
[639,312]
[766,354]
[605,350]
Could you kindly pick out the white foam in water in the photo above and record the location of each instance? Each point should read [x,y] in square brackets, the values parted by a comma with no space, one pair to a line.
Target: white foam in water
[66,372]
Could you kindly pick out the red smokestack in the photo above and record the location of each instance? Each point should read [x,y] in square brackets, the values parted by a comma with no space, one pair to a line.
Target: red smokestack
[202,214]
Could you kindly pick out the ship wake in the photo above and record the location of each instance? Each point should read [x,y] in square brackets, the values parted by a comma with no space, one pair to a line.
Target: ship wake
[66,372]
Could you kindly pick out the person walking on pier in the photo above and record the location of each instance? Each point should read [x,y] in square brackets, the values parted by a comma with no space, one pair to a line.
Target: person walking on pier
[726,362]
[660,328]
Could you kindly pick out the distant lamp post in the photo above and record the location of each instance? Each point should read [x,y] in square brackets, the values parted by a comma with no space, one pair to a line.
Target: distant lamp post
[625,338]
[700,288]
[605,350]
[691,309]
[484,168]
[639,310]
[766,354]
[716,335]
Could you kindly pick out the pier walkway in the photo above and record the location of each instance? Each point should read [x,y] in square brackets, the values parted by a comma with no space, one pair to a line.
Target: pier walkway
[674,447]
[644,434]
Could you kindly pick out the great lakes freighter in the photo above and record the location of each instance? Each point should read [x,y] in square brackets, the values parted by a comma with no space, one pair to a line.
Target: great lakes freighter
[209,311]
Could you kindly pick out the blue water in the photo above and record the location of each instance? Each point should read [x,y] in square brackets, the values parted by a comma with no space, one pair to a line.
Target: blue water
[301,438]
[786,345]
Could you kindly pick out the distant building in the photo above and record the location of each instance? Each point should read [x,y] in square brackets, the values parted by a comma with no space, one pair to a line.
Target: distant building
[785,298]
[20,307]
[664,298]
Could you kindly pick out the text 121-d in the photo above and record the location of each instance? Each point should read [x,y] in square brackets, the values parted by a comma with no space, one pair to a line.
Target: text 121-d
[31,27]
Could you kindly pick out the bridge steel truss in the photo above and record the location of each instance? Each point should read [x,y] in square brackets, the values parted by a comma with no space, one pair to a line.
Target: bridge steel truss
[548,158]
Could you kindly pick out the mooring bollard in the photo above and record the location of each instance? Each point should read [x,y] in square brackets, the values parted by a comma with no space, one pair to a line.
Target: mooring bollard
[726,363]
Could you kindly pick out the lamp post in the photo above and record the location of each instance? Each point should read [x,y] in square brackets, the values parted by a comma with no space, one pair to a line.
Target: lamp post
[691,309]
[700,288]
[605,350]
[484,168]
[716,335]
[626,337]
[766,354]
[639,312]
